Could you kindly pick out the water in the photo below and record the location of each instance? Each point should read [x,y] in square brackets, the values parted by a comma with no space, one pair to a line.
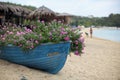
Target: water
[109,34]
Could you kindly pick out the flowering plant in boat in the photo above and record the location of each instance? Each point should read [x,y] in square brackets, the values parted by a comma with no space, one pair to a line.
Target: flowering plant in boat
[41,32]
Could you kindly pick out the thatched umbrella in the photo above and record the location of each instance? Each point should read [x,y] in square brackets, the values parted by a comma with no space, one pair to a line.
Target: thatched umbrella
[43,13]
[8,8]
[3,10]
[20,11]
[26,12]
[3,7]
[13,9]
[12,12]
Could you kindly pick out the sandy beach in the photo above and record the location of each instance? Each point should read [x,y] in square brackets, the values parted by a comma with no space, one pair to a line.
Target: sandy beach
[101,61]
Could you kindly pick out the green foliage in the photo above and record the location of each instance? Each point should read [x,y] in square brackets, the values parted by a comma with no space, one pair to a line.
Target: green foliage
[111,20]
[28,39]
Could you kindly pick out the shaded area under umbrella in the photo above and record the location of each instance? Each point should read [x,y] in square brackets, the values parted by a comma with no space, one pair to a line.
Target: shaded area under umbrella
[10,12]
[64,17]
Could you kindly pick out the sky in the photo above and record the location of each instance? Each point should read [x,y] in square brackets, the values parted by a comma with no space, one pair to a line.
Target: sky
[97,8]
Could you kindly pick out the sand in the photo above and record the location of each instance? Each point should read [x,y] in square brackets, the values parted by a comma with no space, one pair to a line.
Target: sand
[101,61]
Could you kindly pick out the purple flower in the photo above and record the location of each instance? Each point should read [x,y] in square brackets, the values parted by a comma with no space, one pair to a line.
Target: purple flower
[55,20]
[32,46]
[76,42]
[20,45]
[81,39]
[22,33]
[59,21]
[79,27]
[11,33]
[40,37]
[36,42]
[50,37]
[53,32]
[50,33]
[62,33]
[3,38]
[43,21]
[34,27]
[18,33]
[76,53]
[76,47]
[66,38]
[63,29]
[14,42]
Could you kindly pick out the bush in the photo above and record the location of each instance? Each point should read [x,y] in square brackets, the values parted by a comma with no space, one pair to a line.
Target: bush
[54,32]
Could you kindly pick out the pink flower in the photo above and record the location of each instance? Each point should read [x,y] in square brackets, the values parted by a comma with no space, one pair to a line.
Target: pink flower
[22,33]
[31,39]
[62,29]
[36,42]
[81,39]
[40,37]
[50,37]
[66,38]
[62,33]
[76,42]
[76,53]
[43,21]
[50,33]
[18,33]
[59,21]
[3,39]
[28,30]
[15,41]
[79,27]
[32,46]
[11,33]
[55,20]
[20,45]
[76,47]
[34,27]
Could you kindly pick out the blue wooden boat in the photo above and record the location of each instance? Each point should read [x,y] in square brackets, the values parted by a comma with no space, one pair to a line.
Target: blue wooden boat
[49,57]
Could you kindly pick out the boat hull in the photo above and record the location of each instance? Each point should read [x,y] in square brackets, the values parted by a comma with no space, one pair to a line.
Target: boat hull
[48,57]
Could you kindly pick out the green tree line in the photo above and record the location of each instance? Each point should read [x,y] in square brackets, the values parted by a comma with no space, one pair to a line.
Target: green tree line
[111,20]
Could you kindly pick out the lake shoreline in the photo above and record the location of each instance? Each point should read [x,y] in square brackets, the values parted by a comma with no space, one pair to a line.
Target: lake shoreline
[105,33]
